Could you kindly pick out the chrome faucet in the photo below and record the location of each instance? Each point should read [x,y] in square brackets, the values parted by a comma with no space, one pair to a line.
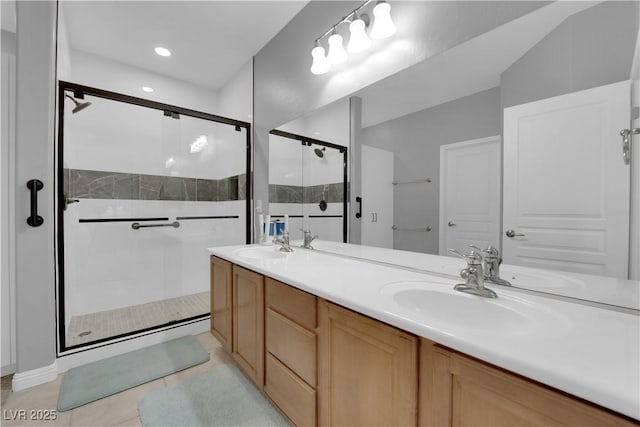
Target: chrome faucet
[284,241]
[491,265]
[307,239]
[474,276]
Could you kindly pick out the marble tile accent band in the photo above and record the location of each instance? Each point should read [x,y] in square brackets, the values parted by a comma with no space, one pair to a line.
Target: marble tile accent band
[90,184]
[333,193]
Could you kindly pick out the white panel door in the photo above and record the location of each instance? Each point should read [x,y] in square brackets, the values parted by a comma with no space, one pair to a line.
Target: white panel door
[566,188]
[377,197]
[469,194]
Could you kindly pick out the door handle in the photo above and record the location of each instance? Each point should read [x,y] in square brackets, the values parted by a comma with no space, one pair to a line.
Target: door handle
[359,201]
[626,143]
[512,233]
[34,185]
[451,224]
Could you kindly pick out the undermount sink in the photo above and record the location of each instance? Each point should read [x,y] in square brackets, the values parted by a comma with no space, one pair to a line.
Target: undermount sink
[441,304]
[265,253]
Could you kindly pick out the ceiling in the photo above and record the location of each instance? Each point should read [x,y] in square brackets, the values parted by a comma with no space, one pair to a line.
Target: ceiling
[209,40]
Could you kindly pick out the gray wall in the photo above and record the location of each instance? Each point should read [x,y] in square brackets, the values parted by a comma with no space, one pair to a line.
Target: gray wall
[591,48]
[285,88]
[35,256]
[416,139]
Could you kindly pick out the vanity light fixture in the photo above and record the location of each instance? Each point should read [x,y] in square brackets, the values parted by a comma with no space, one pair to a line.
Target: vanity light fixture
[337,54]
[358,41]
[320,64]
[147,89]
[383,27]
[162,51]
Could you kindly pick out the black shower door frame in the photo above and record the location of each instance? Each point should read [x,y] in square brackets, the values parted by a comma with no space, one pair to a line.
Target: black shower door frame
[169,110]
[305,140]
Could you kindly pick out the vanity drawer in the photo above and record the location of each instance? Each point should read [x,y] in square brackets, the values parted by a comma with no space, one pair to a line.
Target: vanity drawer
[293,303]
[292,395]
[292,344]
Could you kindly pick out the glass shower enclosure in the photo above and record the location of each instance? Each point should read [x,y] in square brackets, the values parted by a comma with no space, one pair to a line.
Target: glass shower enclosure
[143,189]
[308,182]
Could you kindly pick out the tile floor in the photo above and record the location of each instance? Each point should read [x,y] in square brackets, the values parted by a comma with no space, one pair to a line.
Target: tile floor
[105,324]
[118,410]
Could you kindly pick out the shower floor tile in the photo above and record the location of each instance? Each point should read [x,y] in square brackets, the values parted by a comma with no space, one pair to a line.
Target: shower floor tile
[104,324]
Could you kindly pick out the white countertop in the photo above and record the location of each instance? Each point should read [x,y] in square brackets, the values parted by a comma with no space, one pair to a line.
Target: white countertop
[606,290]
[590,352]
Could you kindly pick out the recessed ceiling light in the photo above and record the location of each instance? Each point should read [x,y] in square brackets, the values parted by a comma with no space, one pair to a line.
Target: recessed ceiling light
[147,89]
[163,51]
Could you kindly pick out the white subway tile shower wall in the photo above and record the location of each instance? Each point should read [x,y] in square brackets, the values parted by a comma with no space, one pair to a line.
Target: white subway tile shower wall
[113,136]
[110,265]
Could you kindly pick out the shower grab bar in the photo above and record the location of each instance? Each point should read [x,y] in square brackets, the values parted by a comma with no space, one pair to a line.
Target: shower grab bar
[137,225]
[415,181]
[424,229]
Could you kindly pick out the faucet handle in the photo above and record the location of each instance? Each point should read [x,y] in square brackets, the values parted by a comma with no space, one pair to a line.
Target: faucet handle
[476,248]
[492,251]
[473,258]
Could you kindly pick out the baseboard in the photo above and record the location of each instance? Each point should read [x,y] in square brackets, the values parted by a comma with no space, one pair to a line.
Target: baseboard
[34,377]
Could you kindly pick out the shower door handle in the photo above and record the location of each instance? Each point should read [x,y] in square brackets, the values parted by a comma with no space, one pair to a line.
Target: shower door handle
[359,201]
[34,185]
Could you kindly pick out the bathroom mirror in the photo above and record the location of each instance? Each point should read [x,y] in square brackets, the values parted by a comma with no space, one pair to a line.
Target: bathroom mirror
[475,145]
[308,173]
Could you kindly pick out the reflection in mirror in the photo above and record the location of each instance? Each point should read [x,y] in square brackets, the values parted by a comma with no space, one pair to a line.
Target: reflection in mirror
[308,173]
[511,139]
[559,197]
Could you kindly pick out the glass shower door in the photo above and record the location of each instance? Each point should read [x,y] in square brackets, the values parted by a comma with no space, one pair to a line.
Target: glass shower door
[324,177]
[146,191]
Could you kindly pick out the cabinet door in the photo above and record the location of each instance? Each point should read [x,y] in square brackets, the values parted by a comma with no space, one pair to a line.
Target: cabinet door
[368,371]
[248,322]
[221,282]
[467,392]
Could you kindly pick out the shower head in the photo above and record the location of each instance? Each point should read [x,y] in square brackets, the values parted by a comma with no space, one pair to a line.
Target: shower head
[79,105]
[319,152]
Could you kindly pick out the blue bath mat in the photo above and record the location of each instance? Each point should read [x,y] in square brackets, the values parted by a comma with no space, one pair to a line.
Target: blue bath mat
[105,377]
[222,396]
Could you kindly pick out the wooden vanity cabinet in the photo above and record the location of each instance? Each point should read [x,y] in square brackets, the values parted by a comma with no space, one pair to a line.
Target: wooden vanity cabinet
[368,371]
[323,364]
[221,289]
[457,390]
[248,322]
[291,351]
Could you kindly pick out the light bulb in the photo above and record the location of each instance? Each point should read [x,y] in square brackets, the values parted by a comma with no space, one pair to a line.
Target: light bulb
[336,54]
[162,51]
[358,40]
[383,26]
[320,64]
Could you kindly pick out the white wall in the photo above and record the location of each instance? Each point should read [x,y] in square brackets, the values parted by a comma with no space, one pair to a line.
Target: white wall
[92,70]
[235,98]
[285,161]
[110,265]
[329,123]
[114,136]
